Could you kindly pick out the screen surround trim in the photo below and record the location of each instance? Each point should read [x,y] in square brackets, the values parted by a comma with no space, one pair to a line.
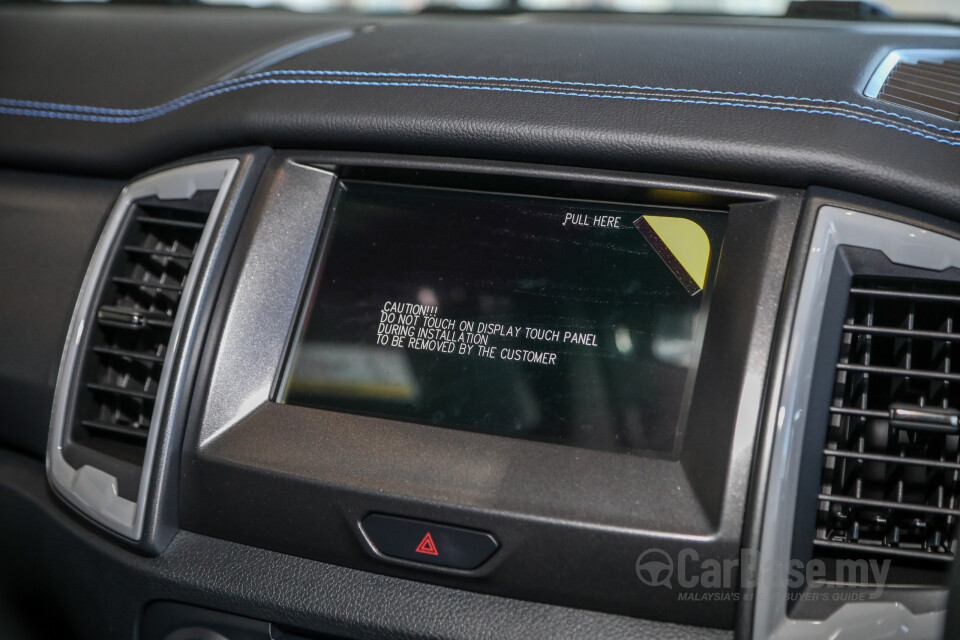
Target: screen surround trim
[554,502]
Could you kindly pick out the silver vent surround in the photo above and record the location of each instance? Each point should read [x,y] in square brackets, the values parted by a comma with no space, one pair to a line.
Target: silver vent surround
[90,490]
[903,244]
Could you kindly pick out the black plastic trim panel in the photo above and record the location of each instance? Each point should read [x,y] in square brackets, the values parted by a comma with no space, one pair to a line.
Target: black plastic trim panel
[56,563]
[591,513]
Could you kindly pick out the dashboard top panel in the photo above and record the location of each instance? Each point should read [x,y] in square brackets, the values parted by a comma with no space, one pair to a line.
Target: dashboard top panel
[728,99]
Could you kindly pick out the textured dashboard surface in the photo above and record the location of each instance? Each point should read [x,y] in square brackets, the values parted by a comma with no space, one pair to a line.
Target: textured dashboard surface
[48,225]
[777,102]
[101,588]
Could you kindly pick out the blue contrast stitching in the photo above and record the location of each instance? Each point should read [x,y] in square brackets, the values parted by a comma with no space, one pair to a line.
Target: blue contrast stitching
[127,116]
[600,85]
[189,98]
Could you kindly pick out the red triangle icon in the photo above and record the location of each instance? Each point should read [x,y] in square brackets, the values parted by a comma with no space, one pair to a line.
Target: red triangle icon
[427,546]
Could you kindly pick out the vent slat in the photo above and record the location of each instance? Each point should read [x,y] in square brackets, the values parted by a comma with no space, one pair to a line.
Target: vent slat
[121,391]
[143,284]
[862,413]
[170,222]
[131,355]
[159,253]
[879,457]
[906,333]
[889,504]
[137,433]
[925,86]
[890,477]
[898,371]
[198,206]
[907,554]
[111,314]
[927,296]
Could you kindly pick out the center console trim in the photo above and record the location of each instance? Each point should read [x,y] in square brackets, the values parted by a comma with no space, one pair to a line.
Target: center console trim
[543,502]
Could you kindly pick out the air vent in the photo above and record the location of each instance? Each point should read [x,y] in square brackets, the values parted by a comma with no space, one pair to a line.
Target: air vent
[924,81]
[128,349]
[891,472]
[864,457]
[133,322]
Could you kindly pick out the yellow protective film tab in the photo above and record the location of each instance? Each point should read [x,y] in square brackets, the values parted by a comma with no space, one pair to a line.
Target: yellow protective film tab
[683,246]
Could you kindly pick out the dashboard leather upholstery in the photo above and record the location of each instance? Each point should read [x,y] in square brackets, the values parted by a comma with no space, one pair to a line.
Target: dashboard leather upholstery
[803,122]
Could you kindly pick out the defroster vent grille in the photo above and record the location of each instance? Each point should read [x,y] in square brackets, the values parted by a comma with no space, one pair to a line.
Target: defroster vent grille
[929,86]
[133,322]
[891,461]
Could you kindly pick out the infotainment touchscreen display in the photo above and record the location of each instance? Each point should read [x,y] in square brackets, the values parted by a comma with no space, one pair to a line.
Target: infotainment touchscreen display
[568,321]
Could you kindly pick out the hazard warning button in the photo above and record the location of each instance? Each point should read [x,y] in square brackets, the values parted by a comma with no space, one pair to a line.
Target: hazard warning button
[428,542]
[427,546]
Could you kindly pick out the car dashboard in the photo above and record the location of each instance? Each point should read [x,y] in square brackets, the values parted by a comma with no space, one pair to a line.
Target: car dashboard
[496,326]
